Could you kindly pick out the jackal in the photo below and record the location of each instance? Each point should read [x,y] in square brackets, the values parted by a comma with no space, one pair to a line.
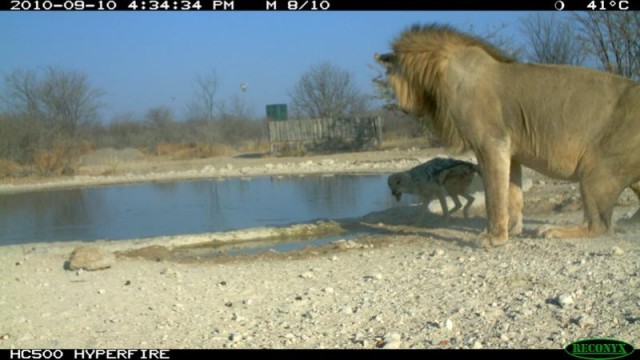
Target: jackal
[437,177]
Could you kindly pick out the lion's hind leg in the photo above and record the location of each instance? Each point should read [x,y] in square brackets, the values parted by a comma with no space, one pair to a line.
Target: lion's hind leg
[599,195]
[636,189]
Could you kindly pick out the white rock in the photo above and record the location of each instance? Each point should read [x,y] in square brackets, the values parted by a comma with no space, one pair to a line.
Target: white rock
[91,258]
[395,344]
[585,321]
[306,275]
[617,251]
[438,252]
[346,310]
[565,300]
[448,324]
[477,345]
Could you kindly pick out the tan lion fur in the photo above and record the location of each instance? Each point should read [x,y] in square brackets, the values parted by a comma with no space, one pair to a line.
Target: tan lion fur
[566,122]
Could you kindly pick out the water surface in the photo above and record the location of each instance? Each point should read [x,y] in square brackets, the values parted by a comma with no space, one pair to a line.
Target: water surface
[186,207]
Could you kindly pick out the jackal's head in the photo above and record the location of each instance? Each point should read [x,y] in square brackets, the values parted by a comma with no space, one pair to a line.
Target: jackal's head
[396,184]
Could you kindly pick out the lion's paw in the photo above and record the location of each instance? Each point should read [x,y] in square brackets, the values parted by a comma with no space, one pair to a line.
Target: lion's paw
[547,231]
[485,240]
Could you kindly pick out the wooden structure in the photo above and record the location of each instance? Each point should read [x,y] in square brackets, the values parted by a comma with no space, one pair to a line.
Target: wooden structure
[326,134]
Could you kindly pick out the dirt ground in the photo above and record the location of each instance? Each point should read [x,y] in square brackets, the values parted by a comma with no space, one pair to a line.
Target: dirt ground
[410,282]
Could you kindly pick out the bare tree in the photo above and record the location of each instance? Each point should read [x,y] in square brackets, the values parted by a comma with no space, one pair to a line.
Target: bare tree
[203,105]
[613,38]
[327,91]
[22,93]
[235,108]
[552,40]
[68,99]
[43,111]
[161,120]
[62,98]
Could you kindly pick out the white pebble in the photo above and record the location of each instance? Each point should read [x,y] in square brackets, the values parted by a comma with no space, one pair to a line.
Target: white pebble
[448,324]
[306,275]
[565,300]
[617,251]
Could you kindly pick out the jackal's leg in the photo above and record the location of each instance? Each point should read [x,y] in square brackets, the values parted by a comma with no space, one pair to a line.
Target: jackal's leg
[443,203]
[470,200]
[456,201]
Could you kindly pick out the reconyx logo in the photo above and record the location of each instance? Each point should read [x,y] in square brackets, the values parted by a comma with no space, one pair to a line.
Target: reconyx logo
[599,349]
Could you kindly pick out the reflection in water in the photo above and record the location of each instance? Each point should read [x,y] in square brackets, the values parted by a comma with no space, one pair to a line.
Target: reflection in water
[146,210]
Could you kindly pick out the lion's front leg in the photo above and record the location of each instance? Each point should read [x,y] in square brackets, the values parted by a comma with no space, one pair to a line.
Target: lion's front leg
[515,198]
[495,172]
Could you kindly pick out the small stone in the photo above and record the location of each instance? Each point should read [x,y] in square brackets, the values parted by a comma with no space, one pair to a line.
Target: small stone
[346,310]
[585,321]
[392,337]
[438,252]
[328,290]
[170,271]
[306,275]
[101,291]
[90,258]
[395,344]
[565,300]
[448,324]
[392,341]
[236,317]
[617,251]
[477,345]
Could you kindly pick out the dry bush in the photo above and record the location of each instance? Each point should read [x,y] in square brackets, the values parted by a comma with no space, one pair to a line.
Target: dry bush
[62,159]
[9,168]
[254,146]
[192,151]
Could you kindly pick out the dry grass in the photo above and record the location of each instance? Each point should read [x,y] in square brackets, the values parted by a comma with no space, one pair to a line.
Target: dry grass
[61,159]
[9,168]
[253,146]
[192,151]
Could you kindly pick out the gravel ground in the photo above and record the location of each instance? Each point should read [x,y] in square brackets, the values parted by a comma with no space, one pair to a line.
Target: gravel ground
[407,284]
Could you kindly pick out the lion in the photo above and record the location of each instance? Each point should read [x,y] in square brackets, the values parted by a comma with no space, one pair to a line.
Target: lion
[563,121]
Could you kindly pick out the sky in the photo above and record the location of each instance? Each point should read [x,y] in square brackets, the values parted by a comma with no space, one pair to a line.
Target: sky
[141,60]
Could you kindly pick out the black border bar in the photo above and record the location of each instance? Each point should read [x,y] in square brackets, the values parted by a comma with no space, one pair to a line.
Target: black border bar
[173,354]
[319,5]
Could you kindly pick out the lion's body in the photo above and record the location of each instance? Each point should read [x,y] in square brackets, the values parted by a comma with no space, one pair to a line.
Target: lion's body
[566,122]
[437,177]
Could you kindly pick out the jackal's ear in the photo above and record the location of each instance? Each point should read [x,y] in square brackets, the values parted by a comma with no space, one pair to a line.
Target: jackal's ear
[387,60]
